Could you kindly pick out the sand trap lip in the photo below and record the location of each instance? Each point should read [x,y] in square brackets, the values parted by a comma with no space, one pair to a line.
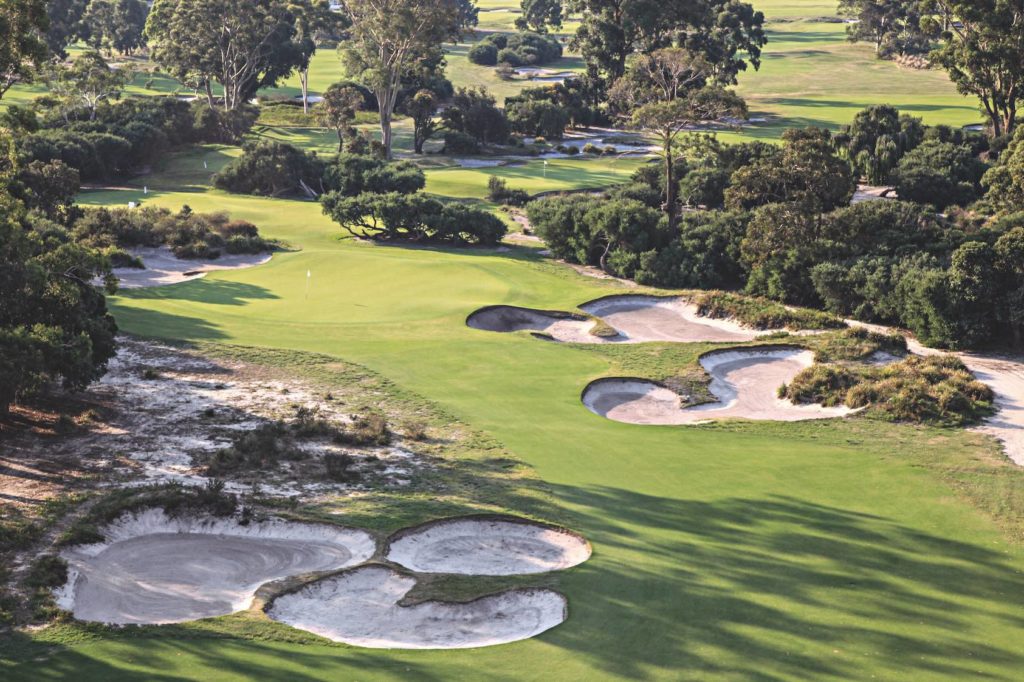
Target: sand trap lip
[745,382]
[361,607]
[559,325]
[163,268]
[154,569]
[655,318]
[486,545]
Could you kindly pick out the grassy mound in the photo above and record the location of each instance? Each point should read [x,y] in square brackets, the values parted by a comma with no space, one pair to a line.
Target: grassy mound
[932,390]
[761,313]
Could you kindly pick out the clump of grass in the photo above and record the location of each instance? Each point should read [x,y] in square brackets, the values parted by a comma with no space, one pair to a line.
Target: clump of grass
[259,448]
[341,467]
[762,313]
[603,330]
[414,429]
[932,390]
[369,429]
[857,343]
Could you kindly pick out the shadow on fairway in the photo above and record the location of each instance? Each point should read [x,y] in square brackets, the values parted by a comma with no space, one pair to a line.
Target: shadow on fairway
[204,290]
[779,582]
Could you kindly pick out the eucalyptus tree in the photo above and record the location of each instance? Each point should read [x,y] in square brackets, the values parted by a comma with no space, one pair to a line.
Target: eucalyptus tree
[23,26]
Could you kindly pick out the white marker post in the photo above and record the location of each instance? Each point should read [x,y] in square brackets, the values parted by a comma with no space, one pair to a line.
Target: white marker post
[545,169]
[309,275]
[204,165]
[145,189]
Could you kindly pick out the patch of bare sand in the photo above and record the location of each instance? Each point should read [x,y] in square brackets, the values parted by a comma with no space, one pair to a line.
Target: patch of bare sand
[163,268]
[561,326]
[363,607]
[156,569]
[654,318]
[487,546]
[745,381]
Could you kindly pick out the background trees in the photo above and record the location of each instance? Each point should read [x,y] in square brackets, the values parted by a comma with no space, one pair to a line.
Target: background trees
[115,25]
[244,45]
[23,25]
[386,40]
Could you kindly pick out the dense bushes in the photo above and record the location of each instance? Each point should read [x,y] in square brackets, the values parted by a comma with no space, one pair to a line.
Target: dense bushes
[474,112]
[761,313]
[937,389]
[353,174]
[519,49]
[270,168]
[940,174]
[188,234]
[499,192]
[412,217]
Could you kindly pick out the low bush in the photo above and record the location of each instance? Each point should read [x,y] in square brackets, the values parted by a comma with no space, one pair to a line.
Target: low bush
[256,449]
[761,313]
[341,467]
[188,234]
[369,429]
[270,168]
[519,49]
[499,192]
[858,343]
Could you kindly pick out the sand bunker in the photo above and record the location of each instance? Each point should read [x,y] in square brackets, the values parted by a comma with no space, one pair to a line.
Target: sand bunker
[487,546]
[561,326]
[652,318]
[1006,378]
[745,381]
[156,569]
[361,607]
[163,268]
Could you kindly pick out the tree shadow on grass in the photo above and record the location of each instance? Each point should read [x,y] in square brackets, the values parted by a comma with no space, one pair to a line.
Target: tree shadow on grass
[204,290]
[774,580]
[147,323]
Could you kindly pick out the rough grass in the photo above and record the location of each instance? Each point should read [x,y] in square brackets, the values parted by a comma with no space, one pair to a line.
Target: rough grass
[762,313]
[935,390]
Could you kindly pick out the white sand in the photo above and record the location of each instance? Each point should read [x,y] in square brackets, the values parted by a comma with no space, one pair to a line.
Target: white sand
[744,381]
[163,268]
[487,546]
[156,569]
[652,318]
[361,607]
[872,193]
[505,318]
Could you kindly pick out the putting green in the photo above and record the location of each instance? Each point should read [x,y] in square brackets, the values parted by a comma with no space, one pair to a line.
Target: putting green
[833,550]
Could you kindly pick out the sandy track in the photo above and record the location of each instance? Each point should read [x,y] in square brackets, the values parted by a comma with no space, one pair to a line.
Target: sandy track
[651,318]
[487,546]
[744,381]
[156,569]
[163,268]
[561,326]
[361,607]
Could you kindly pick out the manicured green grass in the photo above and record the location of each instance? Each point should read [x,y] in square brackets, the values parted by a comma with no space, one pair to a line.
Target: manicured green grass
[831,550]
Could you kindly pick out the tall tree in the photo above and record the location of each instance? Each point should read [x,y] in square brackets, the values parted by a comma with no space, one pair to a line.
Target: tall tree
[65,24]
[387,39]
[244,45]
[314,18]
[729,34]
[115,25]
[338,109]
[87,83]
[668,93]
[23,26]
[539,15]
[421,108]
[983,51]
[893,26]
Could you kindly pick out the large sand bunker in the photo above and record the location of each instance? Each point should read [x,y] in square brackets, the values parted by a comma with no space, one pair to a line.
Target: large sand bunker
[745,381]
[653,318]
[487,546]
[163,268]
[362,607]
[559,325]
[156,569]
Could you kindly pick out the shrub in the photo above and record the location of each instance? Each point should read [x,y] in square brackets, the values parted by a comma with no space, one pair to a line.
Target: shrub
[499,193]
[940,174]
[460,143]
[354,174]
[341,467]
[474,111]
[761,313]
[484,53]
[270,168]
[519,49]
[824,384]
[369,429]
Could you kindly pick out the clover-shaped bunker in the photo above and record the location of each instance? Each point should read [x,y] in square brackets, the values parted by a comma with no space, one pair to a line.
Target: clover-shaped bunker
[745,382]
[154,569]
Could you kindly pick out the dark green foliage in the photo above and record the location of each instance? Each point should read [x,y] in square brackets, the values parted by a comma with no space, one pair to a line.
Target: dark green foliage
[519,49]
[460,143]
[365,430]
[270,168]
[705,255]
[536,118]
[412,217]
[499,193]
[260,448]
[878,138]
[353,174]
[940,174]
[340,467]
[49,187]
[188,234]
[475,113]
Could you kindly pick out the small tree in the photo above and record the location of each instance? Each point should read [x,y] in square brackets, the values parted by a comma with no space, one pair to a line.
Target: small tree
[338,109]
[421,108]
[87,83]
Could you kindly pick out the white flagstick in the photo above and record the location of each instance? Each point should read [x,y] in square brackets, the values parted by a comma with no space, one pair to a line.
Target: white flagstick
[545,169]
[309,274]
